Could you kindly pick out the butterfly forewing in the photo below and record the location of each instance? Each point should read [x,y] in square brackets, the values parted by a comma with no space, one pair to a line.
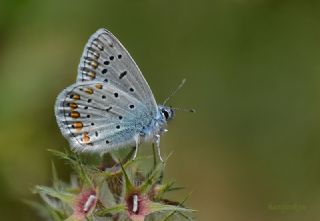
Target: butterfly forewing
[104,59]
[97,116]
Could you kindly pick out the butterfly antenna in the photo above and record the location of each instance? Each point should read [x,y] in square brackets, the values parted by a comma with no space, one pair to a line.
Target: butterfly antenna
[175,91]
[184,109]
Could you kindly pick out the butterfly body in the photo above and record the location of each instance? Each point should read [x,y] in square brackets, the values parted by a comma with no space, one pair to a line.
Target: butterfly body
[111,105]
[158,125]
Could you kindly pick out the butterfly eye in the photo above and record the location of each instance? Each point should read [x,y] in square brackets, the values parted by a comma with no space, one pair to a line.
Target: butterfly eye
[165,113]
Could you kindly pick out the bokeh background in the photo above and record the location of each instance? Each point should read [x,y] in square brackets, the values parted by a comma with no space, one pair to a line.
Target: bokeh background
[251,152]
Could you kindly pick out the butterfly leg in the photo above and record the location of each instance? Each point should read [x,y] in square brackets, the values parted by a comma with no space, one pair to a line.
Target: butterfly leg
[157,142]
[137,148]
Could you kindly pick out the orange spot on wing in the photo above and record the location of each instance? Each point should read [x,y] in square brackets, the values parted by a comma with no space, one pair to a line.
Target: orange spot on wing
[73,105]
[75,96]
[92,74]
[86,138]
[77,125]
[88,90]
[74,114]
[94,64]
[99,86]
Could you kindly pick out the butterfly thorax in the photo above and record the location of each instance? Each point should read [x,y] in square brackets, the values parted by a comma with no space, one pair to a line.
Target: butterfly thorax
[158,124]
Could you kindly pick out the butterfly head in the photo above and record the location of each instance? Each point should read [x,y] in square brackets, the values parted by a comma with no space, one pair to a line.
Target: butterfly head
[166,112]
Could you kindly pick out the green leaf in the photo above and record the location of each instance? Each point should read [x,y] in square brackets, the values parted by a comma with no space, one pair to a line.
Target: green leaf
[129,185]
[111,210]
[155,176]
[72,218]
[76,164]
[62,155]
[165,188]
[113,170]
[152,178]
[44,211]
[179,212]
[55,179]
[61,195]
[158,207]
[105,196]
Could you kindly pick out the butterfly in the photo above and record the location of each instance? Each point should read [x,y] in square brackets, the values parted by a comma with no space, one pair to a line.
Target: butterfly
[111,105]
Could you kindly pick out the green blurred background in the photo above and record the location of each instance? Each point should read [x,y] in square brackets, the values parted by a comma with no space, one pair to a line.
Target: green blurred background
[251,152]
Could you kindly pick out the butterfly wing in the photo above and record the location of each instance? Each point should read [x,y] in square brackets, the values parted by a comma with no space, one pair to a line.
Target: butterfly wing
[99,117]
[105,59]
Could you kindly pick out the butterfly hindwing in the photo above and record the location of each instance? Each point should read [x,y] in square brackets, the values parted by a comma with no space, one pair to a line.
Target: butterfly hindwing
[105,59]
[99,117]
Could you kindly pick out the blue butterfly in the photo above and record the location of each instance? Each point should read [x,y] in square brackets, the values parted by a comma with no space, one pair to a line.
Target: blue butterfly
[111,105]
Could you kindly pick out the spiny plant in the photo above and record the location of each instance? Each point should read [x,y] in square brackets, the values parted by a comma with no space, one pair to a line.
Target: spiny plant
[115,190]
